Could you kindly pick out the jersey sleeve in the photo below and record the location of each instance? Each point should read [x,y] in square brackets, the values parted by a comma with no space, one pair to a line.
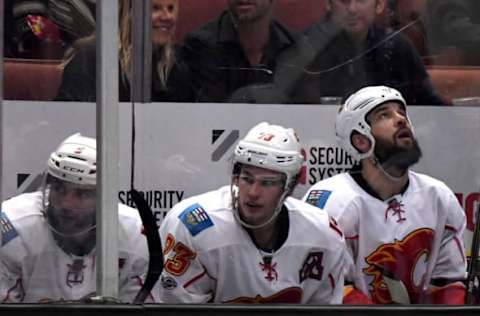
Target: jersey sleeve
[184,278]
[134,256]
[337,274]
[343,210]
[11,282]
[133,276]
[451,263]
[348,221]
[337,263]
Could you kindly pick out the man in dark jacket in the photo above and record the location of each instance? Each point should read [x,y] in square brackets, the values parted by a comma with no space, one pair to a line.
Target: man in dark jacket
[245,45]
[354,52]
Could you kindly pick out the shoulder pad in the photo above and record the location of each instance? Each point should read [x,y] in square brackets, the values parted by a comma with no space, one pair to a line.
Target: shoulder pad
[6,228]
[195,218]
[318,198]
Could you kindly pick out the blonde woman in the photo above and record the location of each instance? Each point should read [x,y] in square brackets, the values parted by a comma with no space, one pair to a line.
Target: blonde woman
[169,77]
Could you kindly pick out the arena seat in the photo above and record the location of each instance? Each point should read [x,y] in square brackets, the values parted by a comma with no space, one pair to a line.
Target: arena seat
[194,13]
[31,79]
[299,14]
[455,82]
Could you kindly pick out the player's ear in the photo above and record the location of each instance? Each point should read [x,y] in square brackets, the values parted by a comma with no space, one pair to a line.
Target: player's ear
[235,179]
[361,142]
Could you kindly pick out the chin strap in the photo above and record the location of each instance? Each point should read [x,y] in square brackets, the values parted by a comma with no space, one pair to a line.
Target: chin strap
[378,164]
[155,263]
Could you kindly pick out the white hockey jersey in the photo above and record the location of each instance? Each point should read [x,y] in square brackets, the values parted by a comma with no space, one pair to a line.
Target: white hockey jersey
[412,237]
[210,257]
[33,268]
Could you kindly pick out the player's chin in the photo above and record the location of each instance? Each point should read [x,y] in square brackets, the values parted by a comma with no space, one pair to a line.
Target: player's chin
[253,215]
[405,145]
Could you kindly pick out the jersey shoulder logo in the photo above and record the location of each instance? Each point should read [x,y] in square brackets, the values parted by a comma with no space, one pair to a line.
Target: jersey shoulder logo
[6,228]
[195,218]
[318,198]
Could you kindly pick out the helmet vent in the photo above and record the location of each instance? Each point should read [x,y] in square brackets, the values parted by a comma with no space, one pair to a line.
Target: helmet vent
[78,158]
[285,159]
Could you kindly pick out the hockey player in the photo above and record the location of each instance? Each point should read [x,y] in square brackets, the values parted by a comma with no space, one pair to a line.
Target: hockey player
[404,229]
[48,238]
[249,242]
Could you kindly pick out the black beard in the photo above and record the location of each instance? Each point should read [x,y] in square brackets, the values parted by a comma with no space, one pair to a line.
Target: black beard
[391,155]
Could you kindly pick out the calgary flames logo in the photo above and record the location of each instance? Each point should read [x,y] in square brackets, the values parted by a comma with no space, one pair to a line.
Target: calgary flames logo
[405,261]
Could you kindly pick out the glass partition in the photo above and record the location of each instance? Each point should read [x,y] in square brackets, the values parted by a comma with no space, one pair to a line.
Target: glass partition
[292,63]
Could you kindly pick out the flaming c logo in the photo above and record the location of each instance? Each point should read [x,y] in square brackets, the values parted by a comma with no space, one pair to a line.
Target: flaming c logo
[403,260]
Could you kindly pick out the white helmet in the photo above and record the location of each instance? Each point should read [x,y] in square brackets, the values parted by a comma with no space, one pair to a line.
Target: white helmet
[75,160]
[353,116]
[271,147]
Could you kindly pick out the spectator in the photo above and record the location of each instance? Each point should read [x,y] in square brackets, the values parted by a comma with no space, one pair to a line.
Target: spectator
[169,76]
[243,46]
[48,243]
[353,52]
[249,242]
[404,229]
[454,23]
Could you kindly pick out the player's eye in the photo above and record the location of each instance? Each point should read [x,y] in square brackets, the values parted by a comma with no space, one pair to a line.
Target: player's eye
[247,179]
[264,181]
[270,182]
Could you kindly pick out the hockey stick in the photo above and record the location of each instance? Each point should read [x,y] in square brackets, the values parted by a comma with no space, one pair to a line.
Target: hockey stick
[473,266]
[155,264]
